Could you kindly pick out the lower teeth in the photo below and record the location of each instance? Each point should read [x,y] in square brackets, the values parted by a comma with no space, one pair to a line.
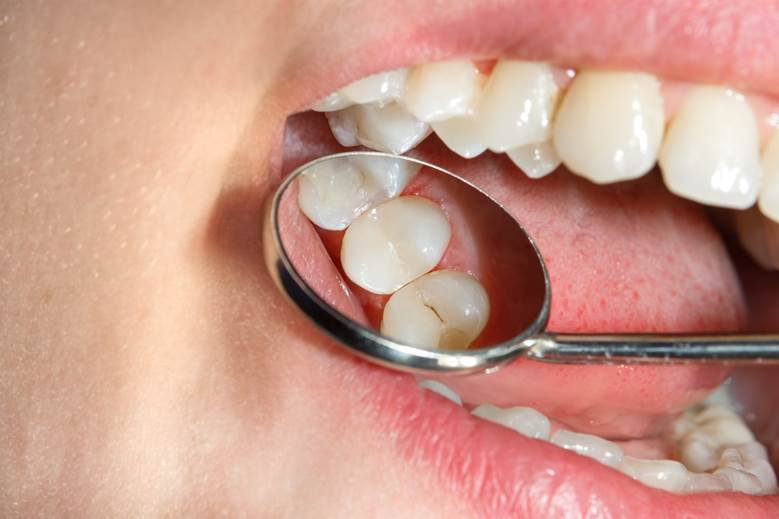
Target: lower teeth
[716,449]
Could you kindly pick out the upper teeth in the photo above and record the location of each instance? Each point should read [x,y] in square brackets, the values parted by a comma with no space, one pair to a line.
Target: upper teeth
[609,127]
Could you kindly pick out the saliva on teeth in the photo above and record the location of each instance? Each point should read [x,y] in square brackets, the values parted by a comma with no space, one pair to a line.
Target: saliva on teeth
[392,245]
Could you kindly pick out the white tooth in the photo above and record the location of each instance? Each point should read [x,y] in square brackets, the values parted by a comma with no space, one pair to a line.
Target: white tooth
[334,193]
[461,135]
[722,427]
[759,236]
[536,160]
[707,483]
[331,103]
[667,475]
[524,420]
[394,243]
[610,125]
[769,193]
[750,458]
[443,390]
[385,128]
[697,454]
[377,88]
[594,447]
[711,150]
[443,309]
[438,91]
[517,105]
[764,472]
[752,451]
[741,480]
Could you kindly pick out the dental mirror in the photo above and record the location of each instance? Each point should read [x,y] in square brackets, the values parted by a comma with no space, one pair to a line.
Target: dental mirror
[381,253]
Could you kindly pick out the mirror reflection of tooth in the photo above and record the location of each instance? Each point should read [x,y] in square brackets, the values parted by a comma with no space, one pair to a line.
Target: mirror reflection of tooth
[388,128]
[442,90]
[379,87]
[444,309]
[711,150]
[769,192]
[461,135]
[331,103]
[610,125]
[394,243]
[535,160]
[517,105]
[333,193]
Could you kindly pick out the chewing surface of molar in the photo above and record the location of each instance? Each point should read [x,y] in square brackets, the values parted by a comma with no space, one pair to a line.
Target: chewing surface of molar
[711,150]
[443,309]
[394,243]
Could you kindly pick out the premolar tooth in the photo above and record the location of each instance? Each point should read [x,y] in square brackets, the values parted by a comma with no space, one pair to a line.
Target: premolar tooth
[441,389]
[667,475]
[331,103]
[536,160]
[438,91]
[443,309]
[594,447]
[707,483]
[711,150]
[461,135]
[610,125]
[769,193]
[379,87]
[334,193]
[385,128]
[394,243]
[517,105]
[524,420]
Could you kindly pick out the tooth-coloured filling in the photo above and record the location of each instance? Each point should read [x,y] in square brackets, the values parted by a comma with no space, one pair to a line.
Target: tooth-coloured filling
[394,243]
[711,150]
[444,309]
[608,126]
[717,451]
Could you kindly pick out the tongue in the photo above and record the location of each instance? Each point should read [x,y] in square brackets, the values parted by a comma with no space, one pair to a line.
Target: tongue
[628,257]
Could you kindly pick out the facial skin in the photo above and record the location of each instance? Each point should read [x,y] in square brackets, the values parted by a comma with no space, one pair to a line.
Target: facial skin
[147,364]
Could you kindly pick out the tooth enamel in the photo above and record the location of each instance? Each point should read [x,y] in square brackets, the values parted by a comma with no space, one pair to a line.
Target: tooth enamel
[710,154]
[394,243]
[697,455]
[438,91]
[741,480]
[610,125]
[387,128]
[722,427]
[588,445]
[536,160]
[741,469]
[517,105]
[377,87]
[331,103]
[443,309]
[461,135]
[667,475]
[524,420]
[769,193]
[333,194]
[441,389]
[707,483]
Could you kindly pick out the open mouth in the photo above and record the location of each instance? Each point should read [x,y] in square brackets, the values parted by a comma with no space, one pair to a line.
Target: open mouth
[654,201]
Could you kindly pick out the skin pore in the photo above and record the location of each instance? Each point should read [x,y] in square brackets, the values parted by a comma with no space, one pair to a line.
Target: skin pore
[148,365]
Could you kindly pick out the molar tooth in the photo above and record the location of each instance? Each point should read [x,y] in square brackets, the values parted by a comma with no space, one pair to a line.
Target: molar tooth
[711,150]
[610,125]
[379,87]
[536,160]
[594,447]
[394,243]
[331,103]
[707,483]
[769,193]
[443,309]
[333,193]
[667,475]
[438,91]
[387,128]
[524,420]
[461,135]
[697,454]
[741,480]
[441,389]
[517,105]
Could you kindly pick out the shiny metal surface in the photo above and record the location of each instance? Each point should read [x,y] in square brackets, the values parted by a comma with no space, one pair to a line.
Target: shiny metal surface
[532,342]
